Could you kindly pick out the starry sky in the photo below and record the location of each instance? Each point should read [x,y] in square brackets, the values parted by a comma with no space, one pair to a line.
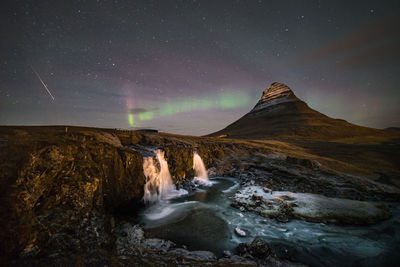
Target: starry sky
[193,67]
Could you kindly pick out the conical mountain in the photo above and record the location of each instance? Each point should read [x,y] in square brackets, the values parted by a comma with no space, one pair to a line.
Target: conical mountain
[281,114]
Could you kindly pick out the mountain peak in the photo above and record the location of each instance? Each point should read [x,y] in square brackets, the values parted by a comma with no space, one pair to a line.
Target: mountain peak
[275,94]
[280,114]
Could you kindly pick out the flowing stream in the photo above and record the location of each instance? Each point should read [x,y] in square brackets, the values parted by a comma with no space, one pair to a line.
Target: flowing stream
[204,220]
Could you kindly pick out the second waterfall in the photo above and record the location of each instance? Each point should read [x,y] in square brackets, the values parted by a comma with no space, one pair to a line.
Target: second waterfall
[200,170]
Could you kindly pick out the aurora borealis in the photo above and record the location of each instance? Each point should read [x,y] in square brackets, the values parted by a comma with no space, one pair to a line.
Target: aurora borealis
[193,67]
[222,101]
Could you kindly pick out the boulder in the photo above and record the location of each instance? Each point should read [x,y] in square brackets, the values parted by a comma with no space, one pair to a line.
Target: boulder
[258,248]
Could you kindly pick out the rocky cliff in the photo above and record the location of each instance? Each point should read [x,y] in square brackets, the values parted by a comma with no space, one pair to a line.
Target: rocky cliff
[60,190]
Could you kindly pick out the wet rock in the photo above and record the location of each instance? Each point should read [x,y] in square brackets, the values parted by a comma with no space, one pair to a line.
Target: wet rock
[212,172]
[258,248]
[256,197]
[180,162]
[239,232]
[267,190]
[286,197]
[227,253]
[285,212]
[128,238]
[186,185]
[260,252]
[158,244]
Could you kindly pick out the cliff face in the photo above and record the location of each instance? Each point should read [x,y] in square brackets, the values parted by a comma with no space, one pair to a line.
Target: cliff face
[179,152]
[55,186]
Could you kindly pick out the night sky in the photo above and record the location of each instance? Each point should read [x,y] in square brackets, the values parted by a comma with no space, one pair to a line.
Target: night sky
[193,67]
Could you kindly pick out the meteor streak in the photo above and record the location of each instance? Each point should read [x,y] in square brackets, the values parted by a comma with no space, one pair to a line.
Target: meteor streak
[45,86]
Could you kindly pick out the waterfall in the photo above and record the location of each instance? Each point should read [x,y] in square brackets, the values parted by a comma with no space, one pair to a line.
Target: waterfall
[159,184]
[199,169]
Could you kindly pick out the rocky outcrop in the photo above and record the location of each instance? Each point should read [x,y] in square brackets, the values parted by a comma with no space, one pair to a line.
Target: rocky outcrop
[284,206]
[59,193]
[257,248]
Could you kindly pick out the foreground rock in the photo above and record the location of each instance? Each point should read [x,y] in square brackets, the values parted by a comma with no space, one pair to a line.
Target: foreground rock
[260,251]
[133,248]
[284,206]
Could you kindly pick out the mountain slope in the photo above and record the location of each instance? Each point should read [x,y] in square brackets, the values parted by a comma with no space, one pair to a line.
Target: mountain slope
[281,114]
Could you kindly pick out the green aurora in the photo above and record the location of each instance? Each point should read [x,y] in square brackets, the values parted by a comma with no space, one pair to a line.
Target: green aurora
[221,101]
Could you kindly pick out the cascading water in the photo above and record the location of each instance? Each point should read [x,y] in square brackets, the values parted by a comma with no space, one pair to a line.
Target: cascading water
[158,182]
[200,170]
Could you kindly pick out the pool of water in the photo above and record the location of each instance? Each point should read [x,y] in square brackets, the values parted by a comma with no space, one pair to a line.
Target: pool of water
[204,220]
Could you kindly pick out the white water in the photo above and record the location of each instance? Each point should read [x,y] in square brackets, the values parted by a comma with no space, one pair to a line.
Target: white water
[165,209]
[200,170]
[159,184]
